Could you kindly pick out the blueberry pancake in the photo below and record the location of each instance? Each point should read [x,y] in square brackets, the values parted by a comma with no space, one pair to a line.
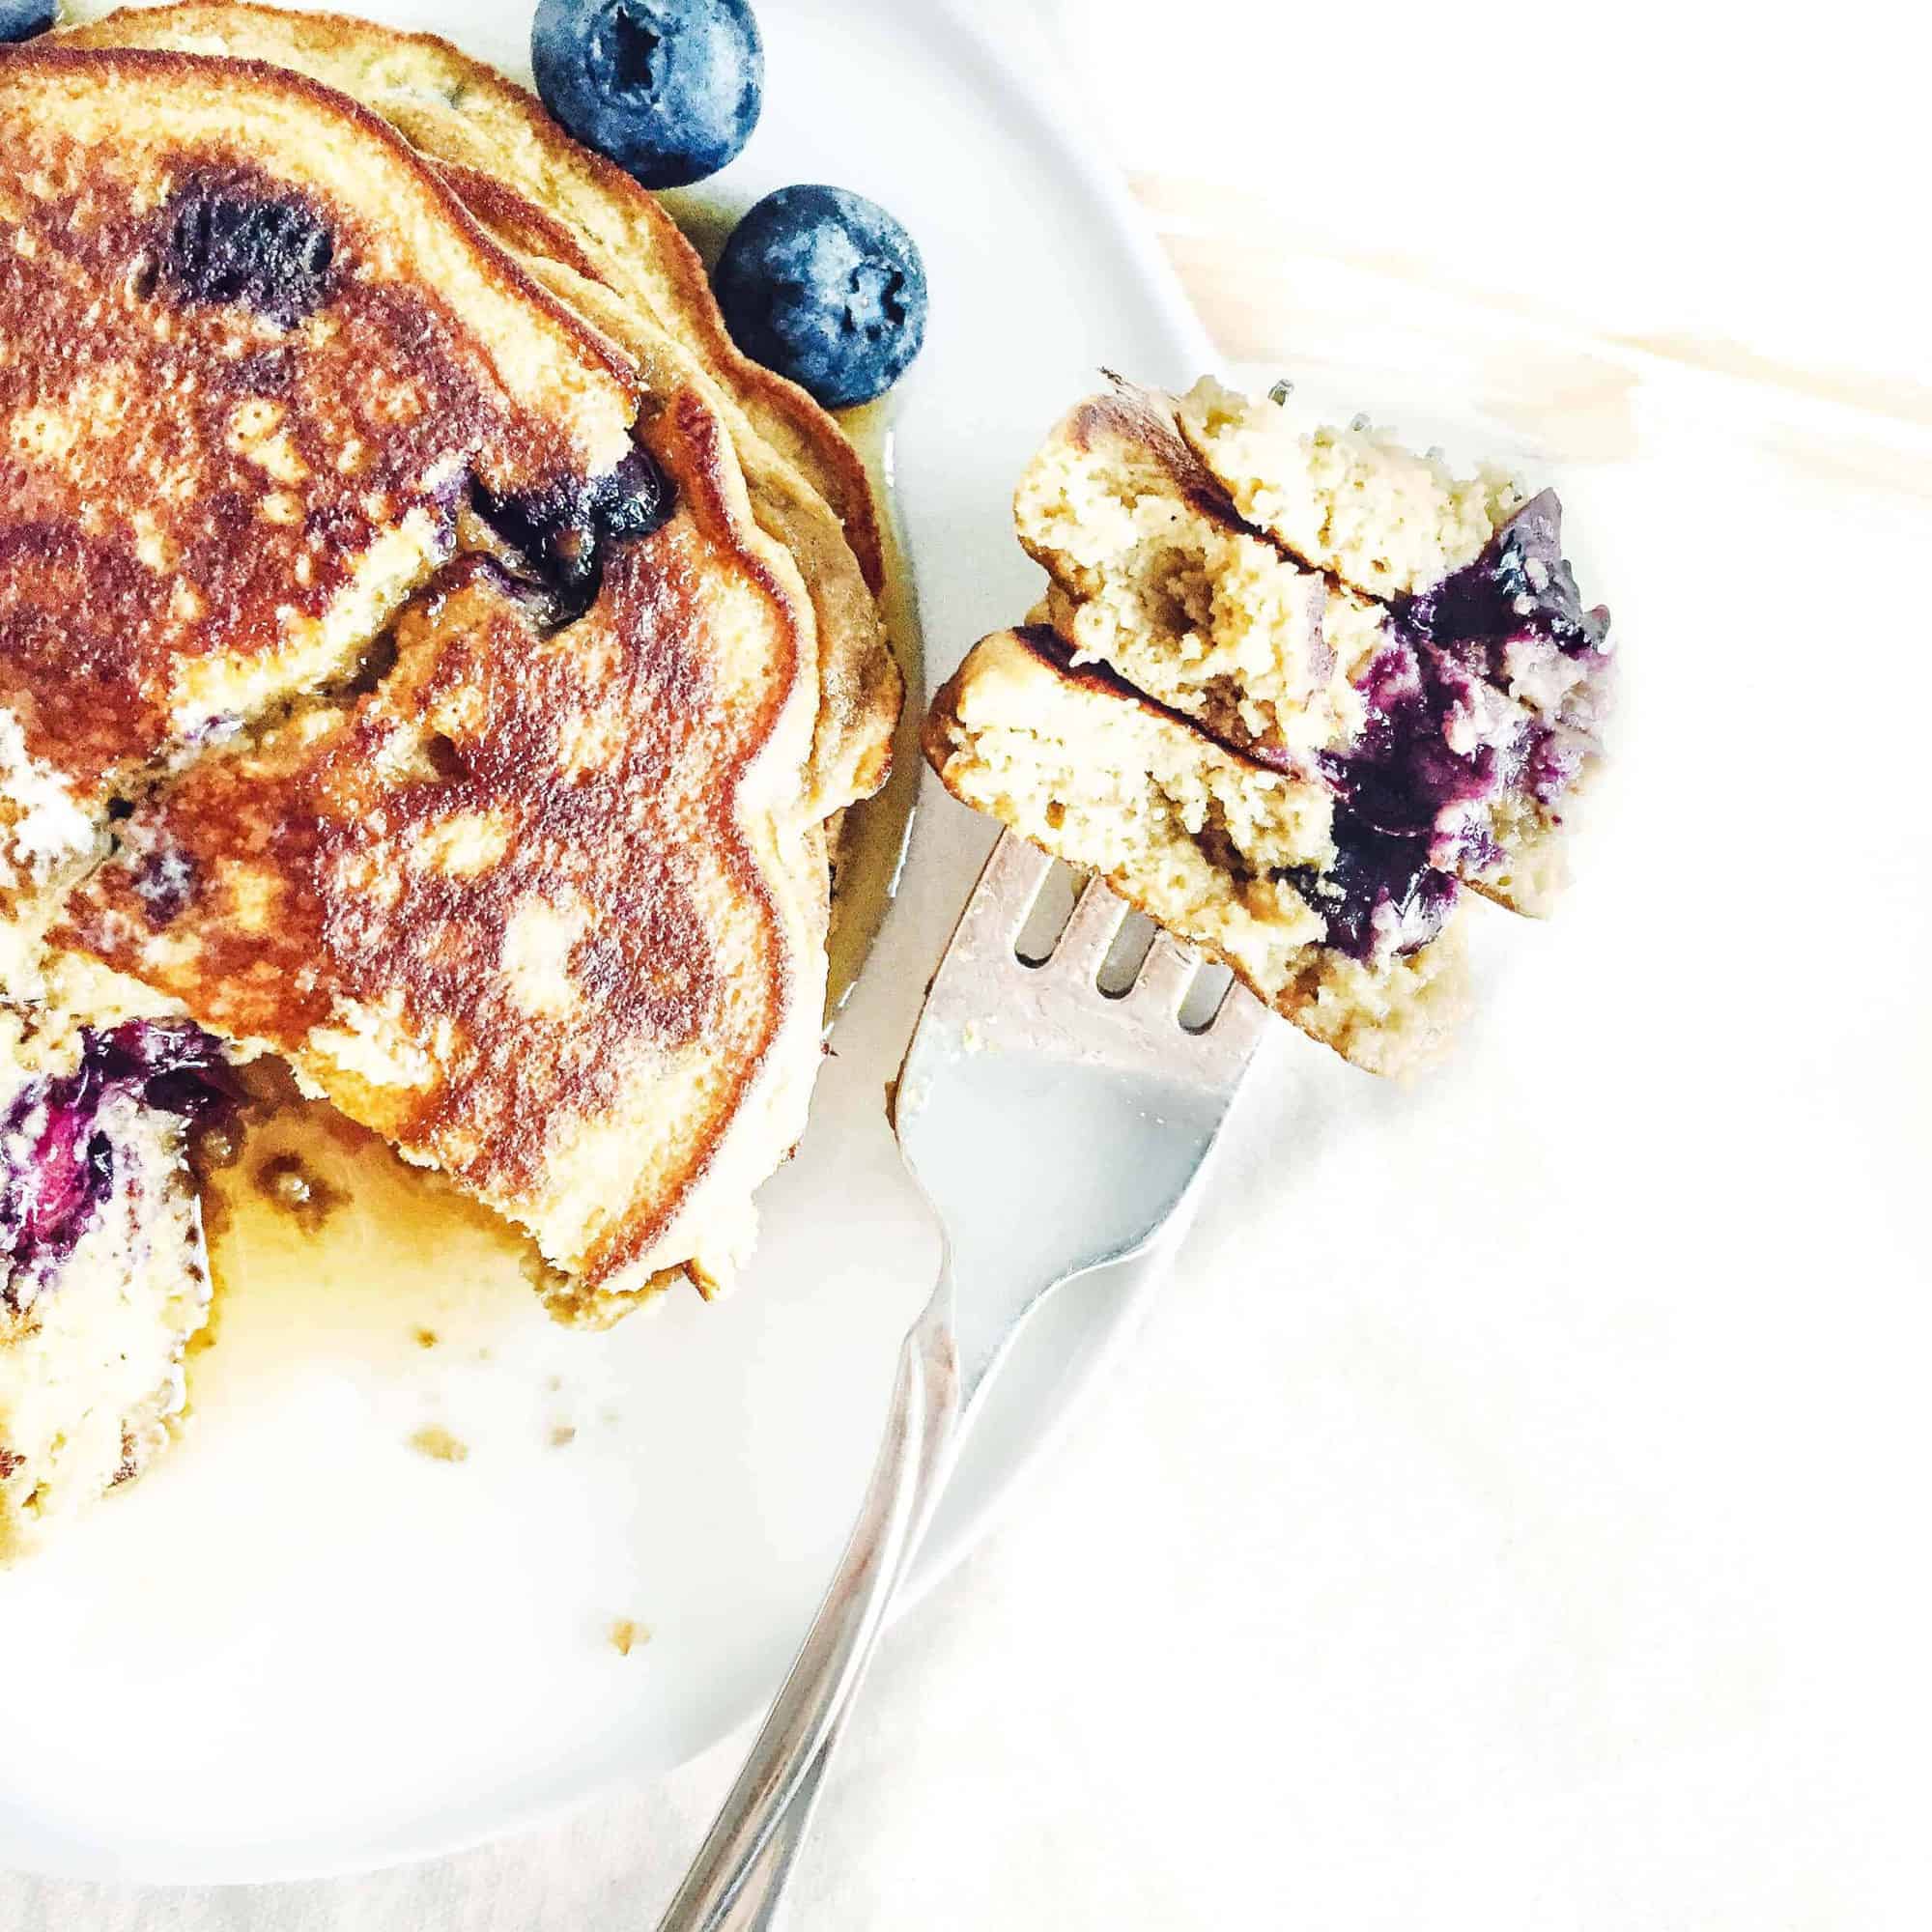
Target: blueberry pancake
[393,679]
[1465,564]
[1292,690]
[1424,711]
[606,245]
[500,910]
[234,445]
[1337,926]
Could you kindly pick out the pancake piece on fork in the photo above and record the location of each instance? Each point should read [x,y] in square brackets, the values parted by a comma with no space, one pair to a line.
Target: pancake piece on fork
[1291,689]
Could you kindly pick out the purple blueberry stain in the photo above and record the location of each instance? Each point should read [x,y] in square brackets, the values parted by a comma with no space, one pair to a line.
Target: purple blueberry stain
[1420,760]
[561,533]
[1438,747]
[1516,616]
[57,1159]
[164,880]
[226,243]
[1380,894]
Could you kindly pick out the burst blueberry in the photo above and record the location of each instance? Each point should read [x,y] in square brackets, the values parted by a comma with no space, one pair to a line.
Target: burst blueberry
[826,288]
[56,1160]
[561,533]
[1380,894]
[228,243]
[669,89]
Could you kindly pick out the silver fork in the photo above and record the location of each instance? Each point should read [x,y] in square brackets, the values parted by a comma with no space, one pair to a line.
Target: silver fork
[1055,1130]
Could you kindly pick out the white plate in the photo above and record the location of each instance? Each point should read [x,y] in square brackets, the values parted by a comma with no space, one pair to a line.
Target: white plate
[301,1646]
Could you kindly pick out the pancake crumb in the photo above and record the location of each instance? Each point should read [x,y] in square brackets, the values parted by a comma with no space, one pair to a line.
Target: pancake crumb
[562,1436]
[626,1635]
[439,1443]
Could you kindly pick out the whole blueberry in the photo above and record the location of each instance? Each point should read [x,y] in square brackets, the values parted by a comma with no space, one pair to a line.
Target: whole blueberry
[826,288]
[669,89]
[23,19]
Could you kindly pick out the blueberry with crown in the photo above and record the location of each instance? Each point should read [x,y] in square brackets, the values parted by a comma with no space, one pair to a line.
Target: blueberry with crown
[669,89]
[826,288]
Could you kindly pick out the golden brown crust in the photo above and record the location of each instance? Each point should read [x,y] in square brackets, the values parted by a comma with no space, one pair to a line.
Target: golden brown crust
[861,687]
[87,66]
[514,220]
[542,195]
[664,263]
[522,851]
[156,559]
[531,900]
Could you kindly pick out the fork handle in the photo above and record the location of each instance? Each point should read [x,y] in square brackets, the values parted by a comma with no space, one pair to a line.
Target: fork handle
[758,1903]
[745,1859]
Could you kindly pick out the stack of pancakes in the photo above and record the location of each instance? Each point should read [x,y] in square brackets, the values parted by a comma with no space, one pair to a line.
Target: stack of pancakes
[1291,689]
[429,654]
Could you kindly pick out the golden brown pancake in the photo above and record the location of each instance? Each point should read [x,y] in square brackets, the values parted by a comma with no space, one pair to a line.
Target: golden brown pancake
[525,886]
[596,230]
[1217,849]
[207,505]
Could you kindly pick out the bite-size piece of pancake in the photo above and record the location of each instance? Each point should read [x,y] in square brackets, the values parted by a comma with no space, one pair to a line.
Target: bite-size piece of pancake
[1156,572]
[606,245]
[519,875]
[1468,564]
[1344,929]
[103,1281]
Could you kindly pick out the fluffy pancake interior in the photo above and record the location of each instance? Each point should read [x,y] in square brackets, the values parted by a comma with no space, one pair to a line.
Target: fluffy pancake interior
[1208,844]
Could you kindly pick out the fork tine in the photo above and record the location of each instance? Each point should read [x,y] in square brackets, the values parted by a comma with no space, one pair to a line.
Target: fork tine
[1239,1024]
[1165,975]
[1001,899]
[1098,916]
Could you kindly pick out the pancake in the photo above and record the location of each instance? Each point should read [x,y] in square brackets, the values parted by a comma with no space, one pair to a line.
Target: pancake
[175,555]
[1291,691]
[1156,571]
[506,909]
[1246,864]
[609,247]
[394,680]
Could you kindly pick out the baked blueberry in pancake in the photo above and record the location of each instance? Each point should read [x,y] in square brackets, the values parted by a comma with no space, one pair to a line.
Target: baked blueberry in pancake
[240,416]
[103,1281]
[505,910]
[1342,928]
[1463,562]
[1420,710]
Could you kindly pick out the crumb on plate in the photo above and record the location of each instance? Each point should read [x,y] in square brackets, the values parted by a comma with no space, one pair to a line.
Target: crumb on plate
[438,1443]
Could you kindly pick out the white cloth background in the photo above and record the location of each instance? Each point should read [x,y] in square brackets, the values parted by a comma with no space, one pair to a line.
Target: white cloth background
[1351,1604]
